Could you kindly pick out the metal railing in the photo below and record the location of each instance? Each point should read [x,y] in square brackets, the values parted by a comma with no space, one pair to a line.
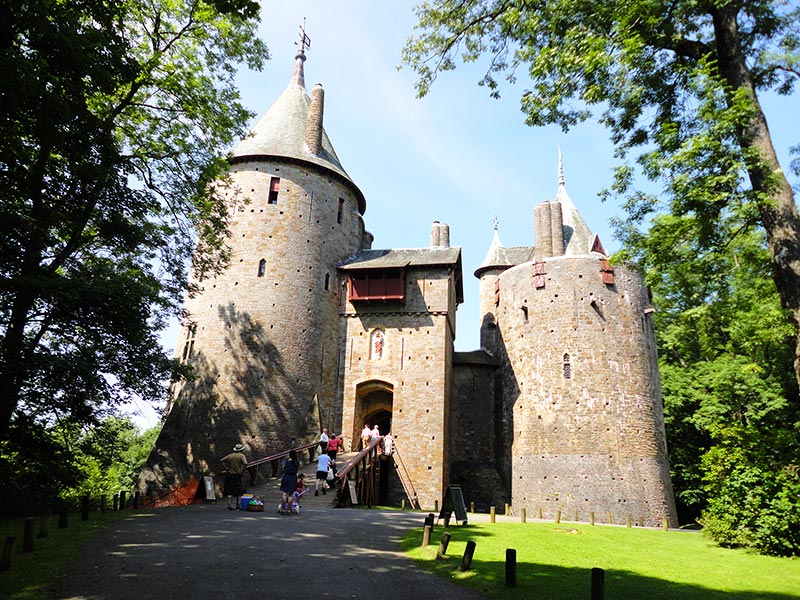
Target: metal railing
[405,479]
[274,460]
[363,471]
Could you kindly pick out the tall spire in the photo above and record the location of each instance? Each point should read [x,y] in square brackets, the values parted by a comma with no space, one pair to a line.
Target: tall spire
[298,77]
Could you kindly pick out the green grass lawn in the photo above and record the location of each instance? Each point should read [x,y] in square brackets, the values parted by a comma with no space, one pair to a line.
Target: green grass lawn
[554,562]
[32,573]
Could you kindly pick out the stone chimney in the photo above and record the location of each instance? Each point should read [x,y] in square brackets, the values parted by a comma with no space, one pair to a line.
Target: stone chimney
[440,235]
[316,109]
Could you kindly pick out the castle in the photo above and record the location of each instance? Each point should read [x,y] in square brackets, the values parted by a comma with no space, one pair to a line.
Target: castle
[310,327]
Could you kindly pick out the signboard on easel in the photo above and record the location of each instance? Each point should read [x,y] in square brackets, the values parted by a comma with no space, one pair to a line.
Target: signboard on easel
[208,483]
[453,502]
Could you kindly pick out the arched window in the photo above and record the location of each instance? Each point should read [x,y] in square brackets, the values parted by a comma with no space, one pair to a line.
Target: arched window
[327,280]
[567,367]
[262,267]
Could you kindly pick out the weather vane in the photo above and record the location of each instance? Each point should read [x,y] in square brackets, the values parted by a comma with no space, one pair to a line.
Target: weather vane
[495,221]
[305,41]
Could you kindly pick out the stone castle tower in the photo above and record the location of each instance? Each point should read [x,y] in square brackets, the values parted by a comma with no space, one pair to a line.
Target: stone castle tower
[263,335]
[310,326]
[582,427]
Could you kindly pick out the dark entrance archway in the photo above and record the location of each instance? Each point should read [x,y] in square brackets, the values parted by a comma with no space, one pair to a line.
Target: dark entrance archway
[374,401]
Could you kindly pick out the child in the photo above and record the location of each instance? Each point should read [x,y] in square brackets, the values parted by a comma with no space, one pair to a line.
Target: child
[301,489]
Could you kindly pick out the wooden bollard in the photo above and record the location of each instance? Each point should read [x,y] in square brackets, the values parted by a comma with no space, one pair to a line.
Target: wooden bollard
[8,552]
[591,518]
[62,517]
[511,568]
[122,500]
[85,508]
[436,505]
[539,512]
[426,535]
[429,520]
[135,499]
[576,516]
[598,583]
[491,514]
[628,522]
[472,507]
[508,509]
[27,537]
[523,515]
[443,543]
[610,521]
[403,504]
[44,524]
[466,560]
[115,502]
[558,516]
[665,523]
[102,503]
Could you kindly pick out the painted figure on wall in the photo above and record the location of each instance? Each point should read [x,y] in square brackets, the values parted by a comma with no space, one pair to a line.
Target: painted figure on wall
[377,345]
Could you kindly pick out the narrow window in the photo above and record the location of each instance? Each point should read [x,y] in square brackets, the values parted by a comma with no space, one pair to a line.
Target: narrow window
[341,210]
[274,188]
[327,280]
[567,367]
[262,267]
[188,346]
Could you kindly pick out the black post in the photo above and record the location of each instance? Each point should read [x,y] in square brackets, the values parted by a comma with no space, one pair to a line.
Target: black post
[44,523]
[429,520]
[469,551]
[27,538]
[8,551]
[443,543]
[135,499]
[85,508]
[511,568]
[115,502]
[122,500]
[102,503]
[598,583]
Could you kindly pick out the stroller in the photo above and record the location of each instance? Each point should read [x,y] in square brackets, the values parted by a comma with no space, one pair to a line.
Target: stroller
[295,507]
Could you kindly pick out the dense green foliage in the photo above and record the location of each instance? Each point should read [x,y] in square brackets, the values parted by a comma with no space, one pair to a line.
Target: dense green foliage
[50,465]
[678,83]
[114,118]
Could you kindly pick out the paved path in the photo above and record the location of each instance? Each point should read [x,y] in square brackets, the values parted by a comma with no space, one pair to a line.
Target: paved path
[206,552]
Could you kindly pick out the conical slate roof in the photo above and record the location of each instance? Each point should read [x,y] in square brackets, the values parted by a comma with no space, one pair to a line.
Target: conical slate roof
[281,132]
[500,257]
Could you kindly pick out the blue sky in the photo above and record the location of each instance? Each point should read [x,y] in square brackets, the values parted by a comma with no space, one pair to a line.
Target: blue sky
[456,156]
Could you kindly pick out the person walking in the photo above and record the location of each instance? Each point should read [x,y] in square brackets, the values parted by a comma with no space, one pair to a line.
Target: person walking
[366,434]
[233,466]
[289,482]
[323,464]
[323,441]
[334,445]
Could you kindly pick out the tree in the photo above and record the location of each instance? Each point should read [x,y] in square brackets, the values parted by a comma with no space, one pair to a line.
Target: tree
[114,117]
[726,377]
[678,79]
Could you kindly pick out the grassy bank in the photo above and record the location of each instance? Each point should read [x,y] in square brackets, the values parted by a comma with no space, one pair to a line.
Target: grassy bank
[32,573]
[554,563]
